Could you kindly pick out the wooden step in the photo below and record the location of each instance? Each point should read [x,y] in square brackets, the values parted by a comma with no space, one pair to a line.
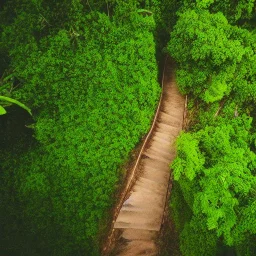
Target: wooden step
[161,139]
[167,129]
[156,165]
[166,119]
[152,155]
[138,234]
[168,156]
[155,187]
[160,177]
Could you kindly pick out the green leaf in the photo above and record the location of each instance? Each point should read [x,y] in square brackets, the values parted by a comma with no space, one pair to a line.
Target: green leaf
[3,98]
[144,11]
[2,110]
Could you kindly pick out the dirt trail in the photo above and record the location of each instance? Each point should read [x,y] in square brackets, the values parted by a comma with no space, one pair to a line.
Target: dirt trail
[140,218]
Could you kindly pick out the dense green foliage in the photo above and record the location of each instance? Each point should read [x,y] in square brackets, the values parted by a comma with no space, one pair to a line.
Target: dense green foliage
[214,196]
[89,74]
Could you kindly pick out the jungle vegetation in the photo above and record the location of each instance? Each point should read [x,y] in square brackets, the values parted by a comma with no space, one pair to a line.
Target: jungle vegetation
[88,72]
[214,196]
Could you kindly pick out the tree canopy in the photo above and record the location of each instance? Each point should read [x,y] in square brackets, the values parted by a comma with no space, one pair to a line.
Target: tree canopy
[213,43]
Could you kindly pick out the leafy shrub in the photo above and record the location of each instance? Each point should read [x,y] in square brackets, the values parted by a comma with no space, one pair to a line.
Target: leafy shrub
[92,84]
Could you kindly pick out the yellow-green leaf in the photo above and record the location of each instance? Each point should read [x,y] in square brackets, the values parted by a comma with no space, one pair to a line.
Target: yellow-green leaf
[2,110]
[3,98]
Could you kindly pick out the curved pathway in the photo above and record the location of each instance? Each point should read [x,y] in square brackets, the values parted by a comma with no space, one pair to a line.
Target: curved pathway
[139,220]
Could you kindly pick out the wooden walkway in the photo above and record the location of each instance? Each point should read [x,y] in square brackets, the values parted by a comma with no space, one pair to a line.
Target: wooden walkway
[140,217]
